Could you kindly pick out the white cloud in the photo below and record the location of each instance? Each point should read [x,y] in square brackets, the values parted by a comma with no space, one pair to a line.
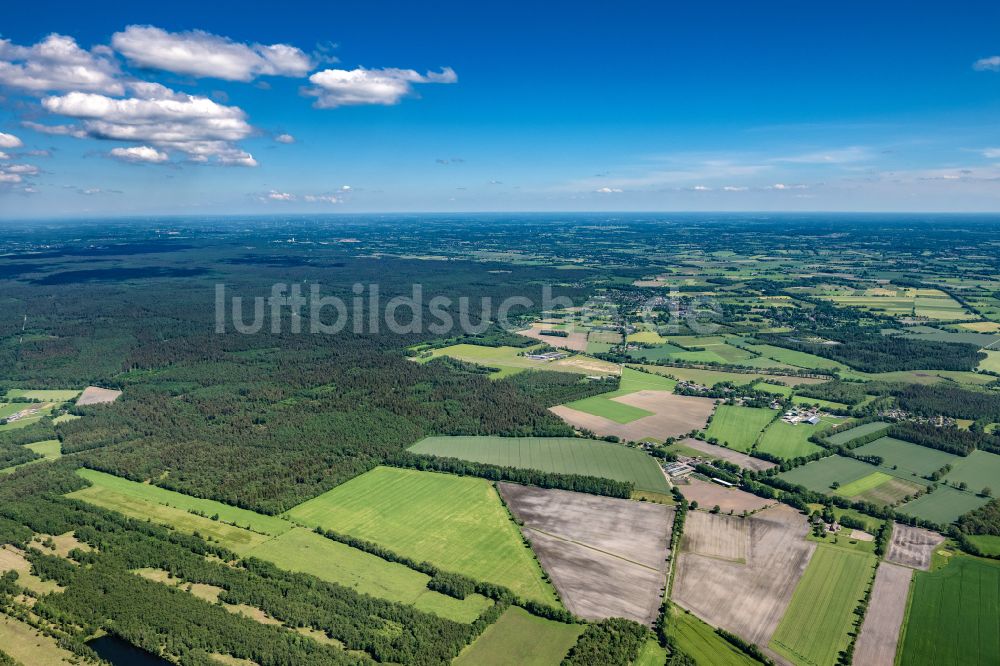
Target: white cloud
[608,190]
[341,87]
[280,196]
[327,198]
[784,186]
[9,177]
[991,153]
[56,130]
[9,141]
[197,126]
[285,138]
[140,154]
[345,188]
[735,188]
[203,54]
[21,169]
[4,156]
[991,64]
[701,188]
[57,63]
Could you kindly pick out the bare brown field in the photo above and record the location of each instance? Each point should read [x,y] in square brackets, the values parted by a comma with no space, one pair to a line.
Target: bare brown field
[575,340]
[912,546]
[876,644]
[741,459]
[673,415]
[746,599]
[585,364]
[727,499]
[605,556]
[891,492]
[93,395]
[861,535]
[718,536]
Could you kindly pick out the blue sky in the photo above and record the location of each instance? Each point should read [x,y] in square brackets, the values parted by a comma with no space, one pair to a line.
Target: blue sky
[208,108]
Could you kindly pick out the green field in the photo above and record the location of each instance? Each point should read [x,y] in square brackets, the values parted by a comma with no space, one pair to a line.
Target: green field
[289,547]
[790,441]
[826,404]
[988,543]
[700,641]
[45,395]
[50,449]
[507,360]
[774,389]
[845,436]
[564,455]
[819,474]
[519,638]
[816,624]
[952,615]
[456,523]
[909,459]
[651,654]
[944,505]
[29,646]
[797,358]
[991,362]
[631,381]
[304,551]
[270,525]
[713,377]
[864,484]
[738,427]
[980,469]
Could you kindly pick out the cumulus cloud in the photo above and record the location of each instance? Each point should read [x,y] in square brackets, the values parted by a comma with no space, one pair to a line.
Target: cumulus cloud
[146,154]
[56,130]
[784,186]
[608,190]
[274,195]
[327,198]
[991,64]
[991,153]
[12,174]
[157,116]
[202,54]
[285,138]
[341,87]
[735,188]
[9,141]
[701,188]
[4,156]
[57,63]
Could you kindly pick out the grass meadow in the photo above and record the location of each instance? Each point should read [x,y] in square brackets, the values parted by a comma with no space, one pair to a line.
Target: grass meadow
[699,640]
[790,441]
[944,505]
[520,638]
[845,436]
[738,427]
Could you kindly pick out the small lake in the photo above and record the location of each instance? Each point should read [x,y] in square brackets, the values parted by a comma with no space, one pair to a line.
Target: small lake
[122,653]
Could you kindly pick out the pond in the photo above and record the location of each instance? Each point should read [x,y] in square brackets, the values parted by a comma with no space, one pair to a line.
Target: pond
[122,653]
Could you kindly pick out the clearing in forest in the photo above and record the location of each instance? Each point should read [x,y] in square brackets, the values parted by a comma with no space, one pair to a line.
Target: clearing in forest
[562,455]
[521,638]
[456,523]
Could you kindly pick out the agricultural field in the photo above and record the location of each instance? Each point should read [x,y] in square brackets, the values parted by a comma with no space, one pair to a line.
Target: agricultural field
[787,440]
[564,455]
[745,597]
[987,543]
[510,360]
[27,645]
[456,523]
[845,436]
[610,406]
[700,641]
[816,624]
[670,415]
[713,377]
[600,569]
[979,470]
[819,475]
[713,451]
[912,546]
[943,506]
[709,495]
[906,458]
[520,638]
[739,427]
[878,641]
[951,619]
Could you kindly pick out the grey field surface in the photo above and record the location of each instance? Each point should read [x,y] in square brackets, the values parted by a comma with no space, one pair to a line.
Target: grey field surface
[879,636]
[912,546]
[714,451]
[606,556]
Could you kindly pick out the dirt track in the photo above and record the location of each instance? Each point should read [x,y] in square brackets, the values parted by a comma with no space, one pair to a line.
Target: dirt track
[876,645]
[728,499]
[606,556]
[673,415]
[912,546]
[741,459]
[746,599]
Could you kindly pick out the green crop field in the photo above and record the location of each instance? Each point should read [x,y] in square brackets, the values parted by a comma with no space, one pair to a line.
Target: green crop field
[864,484]
[816,624]
[520,638]
[631,381]
[738,426]
[45,395]
[456,523]
[252,520]
[713,377]
[507,360]
[304,551]
[651,654]
[845,436]
[827,404]
[988,543]
[952,615]
[790,441]
[564,455]
[797,358]
[979,470]
[944,505]
[819,474]
[774,389]
[699,640]
[287,546]
[909,459]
